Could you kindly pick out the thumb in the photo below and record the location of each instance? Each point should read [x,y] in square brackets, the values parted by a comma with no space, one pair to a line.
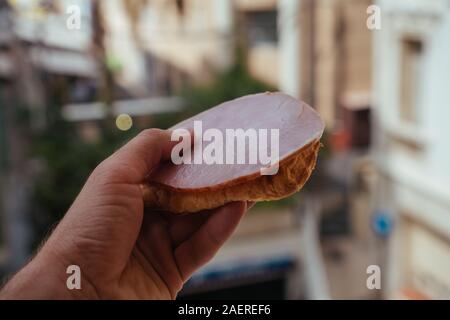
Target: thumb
[102,225]
[135,160]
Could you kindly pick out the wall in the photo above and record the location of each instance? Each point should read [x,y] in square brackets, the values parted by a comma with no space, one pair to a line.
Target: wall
[411,155]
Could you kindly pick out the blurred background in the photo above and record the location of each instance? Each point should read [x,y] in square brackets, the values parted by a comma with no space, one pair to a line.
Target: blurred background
[379,199]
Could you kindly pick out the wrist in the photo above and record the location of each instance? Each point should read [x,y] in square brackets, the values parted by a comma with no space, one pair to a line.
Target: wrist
[44,278]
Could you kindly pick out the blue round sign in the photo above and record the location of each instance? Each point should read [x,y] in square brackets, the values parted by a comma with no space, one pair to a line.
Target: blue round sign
[382,223]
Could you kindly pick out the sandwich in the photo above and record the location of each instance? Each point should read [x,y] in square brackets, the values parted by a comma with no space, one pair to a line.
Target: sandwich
[261,147]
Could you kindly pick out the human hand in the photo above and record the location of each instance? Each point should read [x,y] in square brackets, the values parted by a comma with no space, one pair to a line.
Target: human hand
[122,252]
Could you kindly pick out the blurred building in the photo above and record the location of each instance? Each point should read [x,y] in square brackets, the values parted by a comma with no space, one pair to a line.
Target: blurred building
[411,98]
[42,63]
[318,51]
[56,56]
[160,46]
[338,53]
[269,30]
[191,40]
[335,54]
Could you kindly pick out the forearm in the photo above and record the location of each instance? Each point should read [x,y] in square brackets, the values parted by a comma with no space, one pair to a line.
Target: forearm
[41,279]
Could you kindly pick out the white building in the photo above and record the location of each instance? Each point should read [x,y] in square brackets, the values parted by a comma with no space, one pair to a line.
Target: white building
[59,46]
[412,113]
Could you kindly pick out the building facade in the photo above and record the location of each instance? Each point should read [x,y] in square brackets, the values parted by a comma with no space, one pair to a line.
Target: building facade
[411,99]
[208,34]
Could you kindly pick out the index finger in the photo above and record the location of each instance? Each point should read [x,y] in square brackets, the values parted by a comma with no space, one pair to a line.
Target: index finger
[197,250]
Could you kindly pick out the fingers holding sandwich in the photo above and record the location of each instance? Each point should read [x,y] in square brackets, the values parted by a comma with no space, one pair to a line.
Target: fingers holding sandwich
[204,243]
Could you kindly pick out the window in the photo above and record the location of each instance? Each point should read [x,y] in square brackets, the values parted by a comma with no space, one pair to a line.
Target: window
[261,27]
[411,65]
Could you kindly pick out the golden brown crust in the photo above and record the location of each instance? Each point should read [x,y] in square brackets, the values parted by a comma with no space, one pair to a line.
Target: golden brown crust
[293,172]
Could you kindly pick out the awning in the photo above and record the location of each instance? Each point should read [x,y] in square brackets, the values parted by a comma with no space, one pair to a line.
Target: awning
[140,107]
[64,62]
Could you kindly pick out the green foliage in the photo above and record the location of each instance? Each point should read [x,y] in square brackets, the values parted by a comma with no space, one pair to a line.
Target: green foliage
[229,85]
[283,203]
[232,84]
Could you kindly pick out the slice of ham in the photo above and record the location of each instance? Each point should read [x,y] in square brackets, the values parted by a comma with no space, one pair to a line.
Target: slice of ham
[299,125]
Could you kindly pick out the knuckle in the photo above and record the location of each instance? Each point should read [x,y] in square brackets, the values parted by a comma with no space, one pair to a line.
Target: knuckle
[104,171]
[113,172]
[152,133]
